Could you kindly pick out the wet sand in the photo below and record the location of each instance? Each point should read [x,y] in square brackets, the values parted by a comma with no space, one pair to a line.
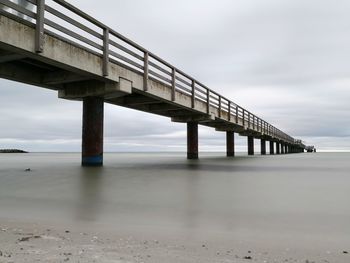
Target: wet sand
[162,208]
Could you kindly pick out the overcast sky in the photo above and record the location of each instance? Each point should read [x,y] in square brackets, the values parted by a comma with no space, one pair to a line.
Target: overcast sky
[288,61]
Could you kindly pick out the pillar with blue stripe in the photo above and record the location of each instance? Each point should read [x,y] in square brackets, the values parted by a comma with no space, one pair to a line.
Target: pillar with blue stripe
[92,139]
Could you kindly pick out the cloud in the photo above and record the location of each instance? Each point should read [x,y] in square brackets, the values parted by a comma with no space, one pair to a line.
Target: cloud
[286,61]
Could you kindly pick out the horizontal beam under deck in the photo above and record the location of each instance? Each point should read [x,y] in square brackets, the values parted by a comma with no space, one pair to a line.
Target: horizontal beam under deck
[62,77]
[4,58]
[20,73]
[22,69]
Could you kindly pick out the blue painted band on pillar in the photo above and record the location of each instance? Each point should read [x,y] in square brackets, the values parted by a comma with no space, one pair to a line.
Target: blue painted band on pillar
[92,160]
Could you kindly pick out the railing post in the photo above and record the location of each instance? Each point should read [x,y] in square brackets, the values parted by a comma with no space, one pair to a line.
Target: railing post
[249,120]
[261,126]
[145,71]
[173,84]
[243,114]
[219,106]
[39,29]
[256,123]
[208,101]
[237,112]
[105,69]
[193,94]
[229,111]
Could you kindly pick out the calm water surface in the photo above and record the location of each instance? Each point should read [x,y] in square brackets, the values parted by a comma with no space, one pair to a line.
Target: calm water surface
[299,195]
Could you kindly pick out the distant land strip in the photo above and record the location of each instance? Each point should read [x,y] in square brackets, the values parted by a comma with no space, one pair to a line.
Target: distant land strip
[12,151]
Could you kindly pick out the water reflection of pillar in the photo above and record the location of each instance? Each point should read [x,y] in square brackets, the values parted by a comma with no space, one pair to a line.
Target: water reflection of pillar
[192,200]
[90,190]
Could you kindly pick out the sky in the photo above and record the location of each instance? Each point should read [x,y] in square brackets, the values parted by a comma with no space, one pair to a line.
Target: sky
[287,61]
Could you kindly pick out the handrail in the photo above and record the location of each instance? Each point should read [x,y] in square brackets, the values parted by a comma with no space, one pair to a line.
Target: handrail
[150,65]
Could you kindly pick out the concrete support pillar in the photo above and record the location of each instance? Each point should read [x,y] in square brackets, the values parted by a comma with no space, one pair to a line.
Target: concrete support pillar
[250,145]
[230,143]
[192,140]
[263,146]
[272,148]
[282,148]
[92,138]
[278,148]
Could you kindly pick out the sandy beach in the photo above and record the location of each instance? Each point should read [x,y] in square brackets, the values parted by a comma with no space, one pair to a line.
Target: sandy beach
[34,242]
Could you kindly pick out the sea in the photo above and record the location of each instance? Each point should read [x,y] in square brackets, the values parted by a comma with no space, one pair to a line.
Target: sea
[302,197]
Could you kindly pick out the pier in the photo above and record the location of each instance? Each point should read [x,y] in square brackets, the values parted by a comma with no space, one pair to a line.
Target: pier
[55,45]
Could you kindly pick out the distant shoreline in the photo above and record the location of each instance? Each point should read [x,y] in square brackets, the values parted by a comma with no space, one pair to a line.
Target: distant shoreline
[12,151]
